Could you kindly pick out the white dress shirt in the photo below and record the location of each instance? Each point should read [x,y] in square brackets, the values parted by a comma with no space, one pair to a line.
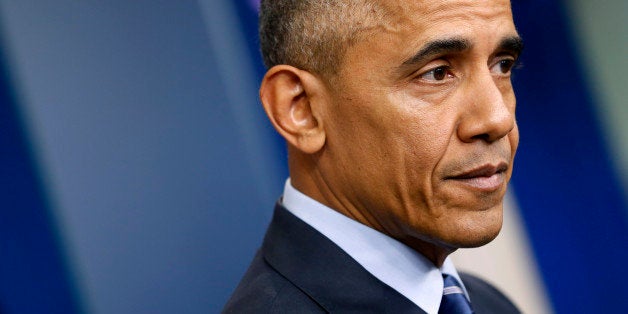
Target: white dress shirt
[389,260]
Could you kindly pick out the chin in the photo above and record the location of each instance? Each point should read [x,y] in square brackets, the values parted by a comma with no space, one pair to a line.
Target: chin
[474,229]
[476,240]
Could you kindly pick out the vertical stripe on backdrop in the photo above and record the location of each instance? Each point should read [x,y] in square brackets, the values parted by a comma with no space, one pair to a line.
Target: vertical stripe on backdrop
[508,262]
[569,195]
[33,274]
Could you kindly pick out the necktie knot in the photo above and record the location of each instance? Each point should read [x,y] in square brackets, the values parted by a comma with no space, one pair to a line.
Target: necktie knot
[454,301]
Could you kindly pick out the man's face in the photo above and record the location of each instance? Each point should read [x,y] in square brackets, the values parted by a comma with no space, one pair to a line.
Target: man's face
[421,131]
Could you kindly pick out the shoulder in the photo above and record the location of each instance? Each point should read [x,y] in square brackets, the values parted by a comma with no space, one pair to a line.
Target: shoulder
[264,290]
[486,298]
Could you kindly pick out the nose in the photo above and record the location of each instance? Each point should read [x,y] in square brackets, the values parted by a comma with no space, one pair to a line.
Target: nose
[488,111]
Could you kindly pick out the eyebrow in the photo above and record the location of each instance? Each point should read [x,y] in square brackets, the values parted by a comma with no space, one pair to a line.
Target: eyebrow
[438,47]
[511,44]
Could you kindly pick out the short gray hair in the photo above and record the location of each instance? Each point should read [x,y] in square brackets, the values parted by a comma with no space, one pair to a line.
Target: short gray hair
[313,35]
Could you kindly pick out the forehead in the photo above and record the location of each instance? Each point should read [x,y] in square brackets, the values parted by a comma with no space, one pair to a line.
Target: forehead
[435,17]
[431,10]
[407,25]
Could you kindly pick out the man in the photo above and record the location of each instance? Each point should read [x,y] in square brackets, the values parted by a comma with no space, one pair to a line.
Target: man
[400,122]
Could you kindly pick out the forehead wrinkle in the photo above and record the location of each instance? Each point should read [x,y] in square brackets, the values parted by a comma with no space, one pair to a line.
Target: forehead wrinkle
[400,13]
[472,8]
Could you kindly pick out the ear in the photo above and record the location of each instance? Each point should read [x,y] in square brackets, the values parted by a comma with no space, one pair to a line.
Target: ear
[293,99]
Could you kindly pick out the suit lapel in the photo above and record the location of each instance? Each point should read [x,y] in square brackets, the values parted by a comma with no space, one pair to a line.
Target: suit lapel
[325,272]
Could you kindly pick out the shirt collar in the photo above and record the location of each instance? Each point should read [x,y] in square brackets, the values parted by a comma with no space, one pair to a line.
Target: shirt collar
[390,261]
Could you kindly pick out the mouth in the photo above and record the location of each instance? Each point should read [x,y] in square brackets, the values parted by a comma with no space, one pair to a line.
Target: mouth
[487,178]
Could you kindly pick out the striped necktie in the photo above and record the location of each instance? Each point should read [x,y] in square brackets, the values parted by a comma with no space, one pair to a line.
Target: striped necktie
[454,301]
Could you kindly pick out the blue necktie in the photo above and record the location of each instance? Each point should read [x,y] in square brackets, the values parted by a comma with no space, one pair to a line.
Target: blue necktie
[454,300]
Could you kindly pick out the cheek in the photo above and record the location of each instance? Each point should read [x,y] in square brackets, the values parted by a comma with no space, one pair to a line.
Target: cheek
[425,139]
[424,148]
[425,126]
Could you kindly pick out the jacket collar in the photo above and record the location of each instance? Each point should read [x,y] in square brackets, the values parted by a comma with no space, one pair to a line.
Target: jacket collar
[325,272]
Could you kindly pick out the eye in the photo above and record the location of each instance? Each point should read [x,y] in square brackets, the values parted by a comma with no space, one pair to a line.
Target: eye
[437,74]
[504,66]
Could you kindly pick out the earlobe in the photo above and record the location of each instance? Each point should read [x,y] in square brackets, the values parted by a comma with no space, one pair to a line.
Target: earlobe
[291,99]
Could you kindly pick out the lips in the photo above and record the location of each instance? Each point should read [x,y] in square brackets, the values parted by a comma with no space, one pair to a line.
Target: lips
[488,177]
[482,171]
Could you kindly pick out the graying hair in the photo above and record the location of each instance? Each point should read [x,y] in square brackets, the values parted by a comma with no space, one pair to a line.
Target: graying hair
[313,35]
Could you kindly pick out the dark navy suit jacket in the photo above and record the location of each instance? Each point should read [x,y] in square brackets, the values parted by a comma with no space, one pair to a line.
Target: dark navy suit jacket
[299,270]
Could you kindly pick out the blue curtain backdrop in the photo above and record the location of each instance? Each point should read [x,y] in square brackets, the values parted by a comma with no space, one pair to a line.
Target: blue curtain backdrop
[569,195]
[33,273]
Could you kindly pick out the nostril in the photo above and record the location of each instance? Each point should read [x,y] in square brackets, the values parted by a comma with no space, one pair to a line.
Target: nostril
[483,137]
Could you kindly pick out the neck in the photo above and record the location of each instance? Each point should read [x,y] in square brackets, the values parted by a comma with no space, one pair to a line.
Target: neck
[305,177]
